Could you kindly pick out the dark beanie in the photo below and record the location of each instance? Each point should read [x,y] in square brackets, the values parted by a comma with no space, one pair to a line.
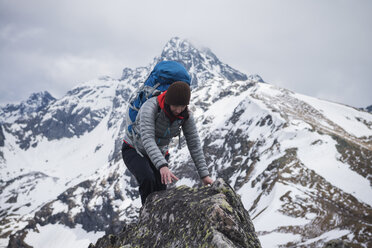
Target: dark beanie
[178,93]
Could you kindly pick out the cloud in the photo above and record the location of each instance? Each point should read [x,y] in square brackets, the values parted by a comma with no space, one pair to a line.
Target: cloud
[313,47]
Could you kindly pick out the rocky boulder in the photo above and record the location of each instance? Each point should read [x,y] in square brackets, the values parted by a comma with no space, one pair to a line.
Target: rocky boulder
[210,216]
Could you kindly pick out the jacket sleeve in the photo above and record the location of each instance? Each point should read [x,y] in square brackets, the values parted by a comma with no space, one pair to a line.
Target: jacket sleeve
[147,128]
[193,143]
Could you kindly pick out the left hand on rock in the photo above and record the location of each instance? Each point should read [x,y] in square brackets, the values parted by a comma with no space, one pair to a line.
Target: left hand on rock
[207,180]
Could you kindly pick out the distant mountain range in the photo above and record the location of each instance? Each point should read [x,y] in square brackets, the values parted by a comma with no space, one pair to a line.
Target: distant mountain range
[303,166]
[369,108]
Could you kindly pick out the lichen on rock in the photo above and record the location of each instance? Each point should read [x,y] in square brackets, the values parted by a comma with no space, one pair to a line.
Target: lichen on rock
[209,216]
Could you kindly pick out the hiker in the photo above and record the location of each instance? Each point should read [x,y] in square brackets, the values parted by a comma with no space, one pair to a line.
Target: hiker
[159,120]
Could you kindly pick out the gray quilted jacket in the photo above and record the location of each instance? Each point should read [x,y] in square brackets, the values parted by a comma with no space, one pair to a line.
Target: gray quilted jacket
[154,133]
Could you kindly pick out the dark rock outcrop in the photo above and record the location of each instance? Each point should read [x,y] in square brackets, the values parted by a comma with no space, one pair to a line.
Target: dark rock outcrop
[189,217]
[369,108]
[336,244]
[2,137]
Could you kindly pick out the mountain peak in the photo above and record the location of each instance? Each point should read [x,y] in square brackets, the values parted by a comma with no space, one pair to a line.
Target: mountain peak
[256,78]
[176,47]
[369,108]
[40,98]
[177,42]
[34,103]
[202,64]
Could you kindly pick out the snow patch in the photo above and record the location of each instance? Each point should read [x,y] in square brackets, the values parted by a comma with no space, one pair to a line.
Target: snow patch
[342,115]
[60,236]
[59,207]
[276,239]
[327,236]
[185,181]
[271,219]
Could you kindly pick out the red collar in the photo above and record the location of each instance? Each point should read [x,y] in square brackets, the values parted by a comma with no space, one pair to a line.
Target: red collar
[161,100]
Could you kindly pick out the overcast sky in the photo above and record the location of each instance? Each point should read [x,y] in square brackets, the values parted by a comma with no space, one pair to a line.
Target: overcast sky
[320,48]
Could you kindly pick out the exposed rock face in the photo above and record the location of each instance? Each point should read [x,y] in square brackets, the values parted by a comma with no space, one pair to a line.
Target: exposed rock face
[369,108]
[196,217]
[202,65]
[35,103]
[336,244]
[2,137]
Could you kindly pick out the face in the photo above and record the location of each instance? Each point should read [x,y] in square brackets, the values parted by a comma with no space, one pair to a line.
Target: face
[177,109]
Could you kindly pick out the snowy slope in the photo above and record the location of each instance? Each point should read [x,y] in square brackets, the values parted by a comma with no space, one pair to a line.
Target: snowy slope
[46,169]
[275,146]
[291,157]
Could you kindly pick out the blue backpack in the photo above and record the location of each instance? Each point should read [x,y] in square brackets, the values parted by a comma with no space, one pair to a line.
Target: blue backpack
[162,76]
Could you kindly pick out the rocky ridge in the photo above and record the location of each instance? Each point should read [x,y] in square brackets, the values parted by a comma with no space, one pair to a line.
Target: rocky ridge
[188,217]
[34,104]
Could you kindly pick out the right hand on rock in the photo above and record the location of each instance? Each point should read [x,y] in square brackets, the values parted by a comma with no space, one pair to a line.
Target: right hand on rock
[167,176]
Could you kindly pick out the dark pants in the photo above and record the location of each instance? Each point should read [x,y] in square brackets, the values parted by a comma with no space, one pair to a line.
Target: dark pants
[148,177]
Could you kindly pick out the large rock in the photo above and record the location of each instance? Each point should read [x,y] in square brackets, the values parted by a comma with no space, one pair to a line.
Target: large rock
[210,216]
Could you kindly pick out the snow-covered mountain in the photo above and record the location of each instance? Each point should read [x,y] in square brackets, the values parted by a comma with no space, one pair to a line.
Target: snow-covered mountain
[35,103]
[303,166]
[369,108]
